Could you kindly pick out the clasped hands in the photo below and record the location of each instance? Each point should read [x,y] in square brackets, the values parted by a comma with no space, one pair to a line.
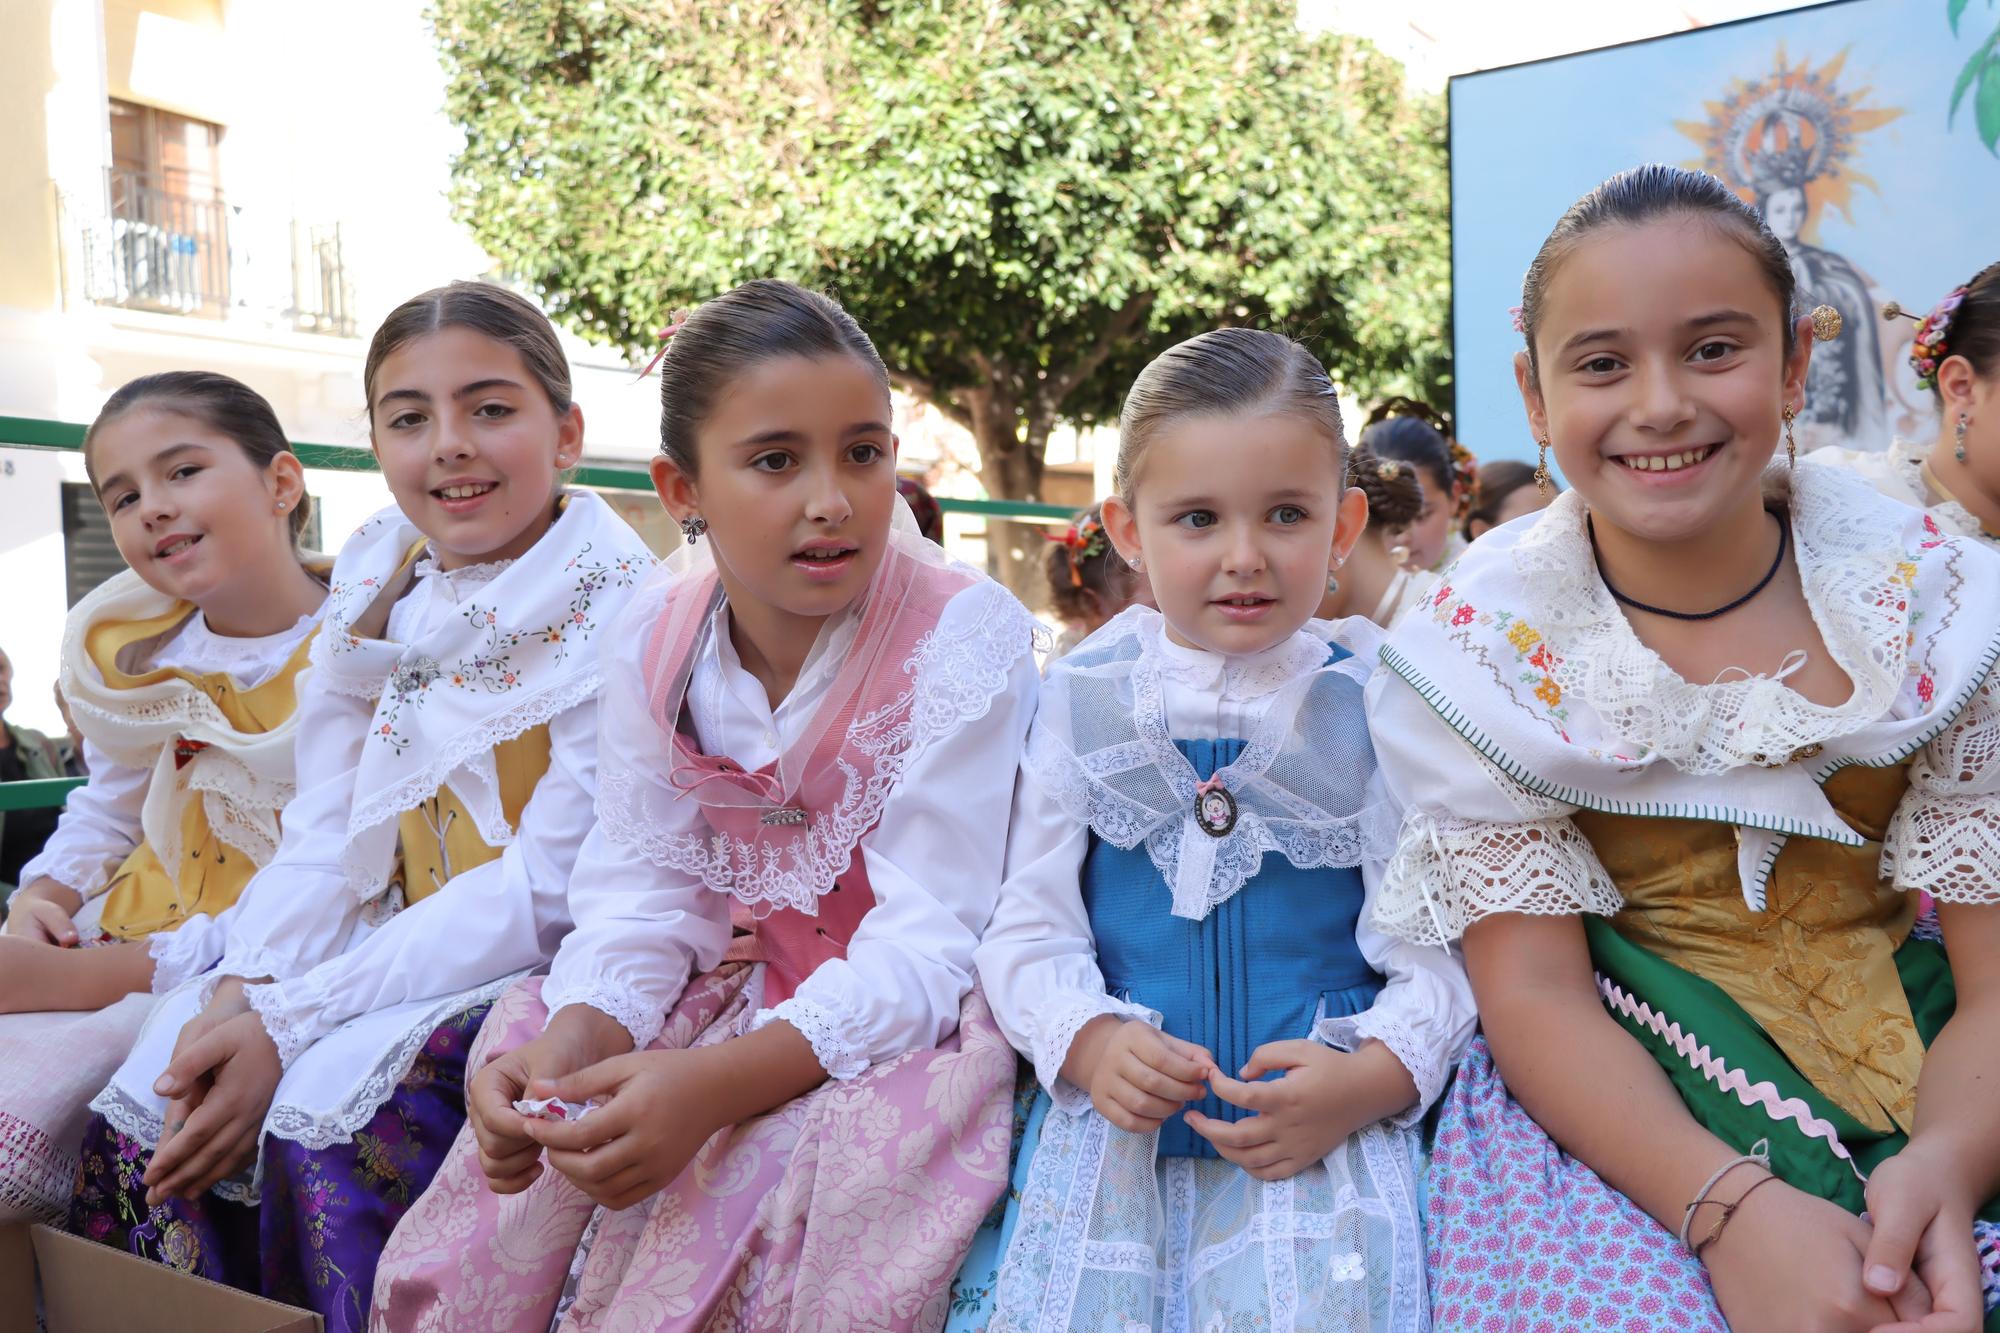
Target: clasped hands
[1137,1076]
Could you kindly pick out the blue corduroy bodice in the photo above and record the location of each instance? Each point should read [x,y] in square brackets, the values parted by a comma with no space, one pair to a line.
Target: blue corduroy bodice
[1258,968]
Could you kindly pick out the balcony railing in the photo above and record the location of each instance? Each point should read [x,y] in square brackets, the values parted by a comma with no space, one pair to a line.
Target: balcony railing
[154,248]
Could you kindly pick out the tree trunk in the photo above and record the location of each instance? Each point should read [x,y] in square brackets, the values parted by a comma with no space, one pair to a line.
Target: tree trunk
[1010,466]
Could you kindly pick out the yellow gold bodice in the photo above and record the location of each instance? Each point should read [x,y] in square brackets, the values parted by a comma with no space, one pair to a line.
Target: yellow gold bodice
[1816,969]
[438,839]
[144,896]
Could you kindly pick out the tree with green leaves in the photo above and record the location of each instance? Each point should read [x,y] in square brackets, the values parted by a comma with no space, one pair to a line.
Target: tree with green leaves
[1022,202]
[1980,76]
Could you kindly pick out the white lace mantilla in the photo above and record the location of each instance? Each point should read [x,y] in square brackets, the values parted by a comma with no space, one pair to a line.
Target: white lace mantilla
[1945,837]
[955,677]
[1448,873]
[1101,747]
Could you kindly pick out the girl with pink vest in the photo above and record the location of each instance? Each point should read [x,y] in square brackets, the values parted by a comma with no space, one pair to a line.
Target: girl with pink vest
[811,725]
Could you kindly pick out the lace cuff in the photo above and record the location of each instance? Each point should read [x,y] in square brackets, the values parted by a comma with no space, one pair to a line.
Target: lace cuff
[634,1012]
[1949,845]
[283,1020]
[1448,873]
[1062,1017]
[832,1035]
[178,957]
[89,873]
[1427,1071]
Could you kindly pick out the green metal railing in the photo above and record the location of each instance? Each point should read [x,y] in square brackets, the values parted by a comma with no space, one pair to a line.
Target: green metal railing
[36,433]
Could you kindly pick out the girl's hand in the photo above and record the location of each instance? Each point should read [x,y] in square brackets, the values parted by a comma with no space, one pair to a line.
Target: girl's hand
[577,1037]
[239,1066]
[1922,1238]
[1138,1075]
[1790,1262]
[45,911]
[1323,1096]
[651,1119]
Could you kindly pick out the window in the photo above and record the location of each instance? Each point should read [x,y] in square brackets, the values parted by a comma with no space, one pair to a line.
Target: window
[170,225]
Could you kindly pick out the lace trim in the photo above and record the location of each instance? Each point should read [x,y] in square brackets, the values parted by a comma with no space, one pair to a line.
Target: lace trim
[465,576]
[175,961]
[1427,1070]
[36,1177]
[1856,580]
[220,652]
[1250,677]
[830,1027]
[366,876]
[1448,873]
[1946,834]
[958,676]
[320,1131]
[289,1037]
[1056,1027]
[634,1012]
[87,873]
[1908,460]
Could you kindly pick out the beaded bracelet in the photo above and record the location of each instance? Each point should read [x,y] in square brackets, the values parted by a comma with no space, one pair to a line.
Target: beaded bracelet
[1759,1154]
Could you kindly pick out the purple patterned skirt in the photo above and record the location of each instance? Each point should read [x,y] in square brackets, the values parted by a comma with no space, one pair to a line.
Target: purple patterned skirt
[326,1213]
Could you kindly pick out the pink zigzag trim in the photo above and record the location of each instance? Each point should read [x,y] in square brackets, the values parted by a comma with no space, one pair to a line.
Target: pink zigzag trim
[1713,1069]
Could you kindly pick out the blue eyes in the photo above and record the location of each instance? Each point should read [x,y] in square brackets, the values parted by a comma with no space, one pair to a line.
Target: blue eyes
[1284,516]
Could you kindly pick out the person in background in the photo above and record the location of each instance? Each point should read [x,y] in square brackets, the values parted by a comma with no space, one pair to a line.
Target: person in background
[1088,583]
[1506,490]
[1377,581]
[24,754]
[1413,432]
[923,507]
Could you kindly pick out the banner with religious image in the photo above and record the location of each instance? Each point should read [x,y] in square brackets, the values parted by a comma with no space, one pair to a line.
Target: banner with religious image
[1867,132]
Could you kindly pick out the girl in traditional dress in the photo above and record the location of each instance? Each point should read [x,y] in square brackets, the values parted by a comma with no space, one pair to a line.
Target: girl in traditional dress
[811,725]
[1408,431]
[1088,582]
[1956,476]
[180,672]
[449,731]
[1192,852]
[1679,756]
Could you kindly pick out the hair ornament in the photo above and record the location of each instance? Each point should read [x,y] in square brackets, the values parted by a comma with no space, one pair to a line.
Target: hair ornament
[1933,342]
[1520,320]
[1085,540]
[1826,323]
[1389,469]
[675,323]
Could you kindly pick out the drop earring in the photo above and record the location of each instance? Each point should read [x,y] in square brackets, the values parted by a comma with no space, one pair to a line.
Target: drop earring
[1791,443]
[1542,467]
[1958,437]
[692,527]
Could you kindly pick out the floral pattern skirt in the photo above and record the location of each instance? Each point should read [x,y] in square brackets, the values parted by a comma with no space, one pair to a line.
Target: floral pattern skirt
[848,1208]
[314,1239]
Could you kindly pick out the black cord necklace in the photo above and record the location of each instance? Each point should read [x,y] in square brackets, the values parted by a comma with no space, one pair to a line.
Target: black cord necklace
[1784,540]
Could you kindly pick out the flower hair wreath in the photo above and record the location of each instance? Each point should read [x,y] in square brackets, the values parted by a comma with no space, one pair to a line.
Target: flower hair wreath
[1085,540]
[1933,343]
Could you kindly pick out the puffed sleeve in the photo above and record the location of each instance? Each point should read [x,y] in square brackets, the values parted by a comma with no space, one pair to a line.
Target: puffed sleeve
[1473,842]
[1038,958]
[98,829]
[1425,1013]
[1945,837]
[298,910]
[934,859]
[498,918]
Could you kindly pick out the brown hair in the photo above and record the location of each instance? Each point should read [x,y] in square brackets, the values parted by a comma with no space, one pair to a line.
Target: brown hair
[761,320]
[1644,194]
[1975,326]
[483,307]
[1497,481]
[1073,573]
[1227,370]
[1395,495]
[226,406]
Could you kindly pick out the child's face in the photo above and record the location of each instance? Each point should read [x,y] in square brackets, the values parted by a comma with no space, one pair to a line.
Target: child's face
[1663,375]
[470,444]
[189,510]
[1238,520]
[797,481]
[1427,534]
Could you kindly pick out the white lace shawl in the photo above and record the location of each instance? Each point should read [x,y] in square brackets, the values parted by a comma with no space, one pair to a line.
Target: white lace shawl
[1100,746]
[1899,474]
[511,662]
[1523,657]
[243,779]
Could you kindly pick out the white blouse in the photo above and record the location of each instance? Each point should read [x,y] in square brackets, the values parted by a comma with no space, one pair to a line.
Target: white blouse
[335,958]
[1038,960]
[933,863]
[100,824]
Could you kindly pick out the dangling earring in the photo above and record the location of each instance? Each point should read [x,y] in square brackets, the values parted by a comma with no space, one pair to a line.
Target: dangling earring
[1332,583]
[1542,468]
[1791,444]
[1958,451]
[692,527]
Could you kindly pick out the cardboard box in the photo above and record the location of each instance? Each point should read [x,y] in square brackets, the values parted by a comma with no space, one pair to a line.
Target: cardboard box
[92,1288]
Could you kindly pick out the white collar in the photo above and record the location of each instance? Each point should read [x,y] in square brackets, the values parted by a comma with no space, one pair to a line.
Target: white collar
[1236,676]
